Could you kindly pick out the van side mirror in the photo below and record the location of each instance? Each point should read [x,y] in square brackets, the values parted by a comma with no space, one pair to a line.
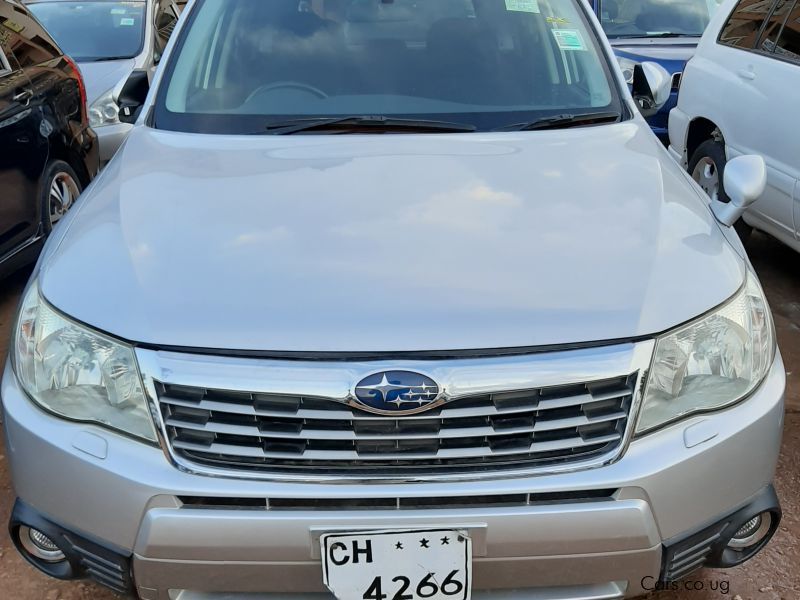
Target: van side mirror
[652,85]
[745,180]
[132,97]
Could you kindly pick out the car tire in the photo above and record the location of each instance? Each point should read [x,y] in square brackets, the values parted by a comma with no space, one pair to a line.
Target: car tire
[707,168]
[60,188]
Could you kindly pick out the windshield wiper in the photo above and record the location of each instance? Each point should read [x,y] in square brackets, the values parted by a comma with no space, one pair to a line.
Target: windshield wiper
[563,121]
[674,34]
[102,58]
[662,34]
[344,124]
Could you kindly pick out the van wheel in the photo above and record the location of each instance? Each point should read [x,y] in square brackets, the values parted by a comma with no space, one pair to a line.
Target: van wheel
[60,189]
[707,168]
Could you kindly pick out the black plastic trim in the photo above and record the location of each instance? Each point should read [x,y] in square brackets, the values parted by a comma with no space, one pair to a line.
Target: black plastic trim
[85,558]
[710,541]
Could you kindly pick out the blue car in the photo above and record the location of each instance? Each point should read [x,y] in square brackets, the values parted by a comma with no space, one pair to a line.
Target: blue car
[663,31]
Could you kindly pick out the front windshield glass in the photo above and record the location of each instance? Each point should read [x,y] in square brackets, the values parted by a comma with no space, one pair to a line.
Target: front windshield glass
[241,65]
[656,18]
[94,31]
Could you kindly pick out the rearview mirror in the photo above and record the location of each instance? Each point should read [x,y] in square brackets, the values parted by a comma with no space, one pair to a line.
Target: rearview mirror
[132,97]
[745,180]
[652,85]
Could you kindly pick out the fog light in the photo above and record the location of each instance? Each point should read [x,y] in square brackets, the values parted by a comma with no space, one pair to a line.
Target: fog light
[38,545]
[751,532]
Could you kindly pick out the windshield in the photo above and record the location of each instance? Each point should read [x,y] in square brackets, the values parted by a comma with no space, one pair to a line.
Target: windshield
[94,31]
[242,65]
[656,18]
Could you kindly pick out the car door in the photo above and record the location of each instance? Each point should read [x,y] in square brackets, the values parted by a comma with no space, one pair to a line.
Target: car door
[23,157]
[787,147]
[758,104]
[797,209]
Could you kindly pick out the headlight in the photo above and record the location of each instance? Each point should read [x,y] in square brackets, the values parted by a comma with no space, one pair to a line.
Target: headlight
[78,373]
[627,65]
[711,363]
[104,111]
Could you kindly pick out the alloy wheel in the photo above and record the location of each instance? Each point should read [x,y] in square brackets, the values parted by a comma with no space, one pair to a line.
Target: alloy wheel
[63,193]
[706,175]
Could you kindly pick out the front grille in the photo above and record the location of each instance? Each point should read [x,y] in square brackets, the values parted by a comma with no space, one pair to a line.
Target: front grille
[299,434]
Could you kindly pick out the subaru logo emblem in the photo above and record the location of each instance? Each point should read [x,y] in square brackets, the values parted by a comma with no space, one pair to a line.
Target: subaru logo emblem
[397,392]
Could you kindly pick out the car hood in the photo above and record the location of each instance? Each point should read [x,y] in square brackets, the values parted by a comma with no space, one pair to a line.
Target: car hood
[390,242]
[99,77]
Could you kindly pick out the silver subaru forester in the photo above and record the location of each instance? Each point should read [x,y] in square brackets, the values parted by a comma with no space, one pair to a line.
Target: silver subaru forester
[394,300]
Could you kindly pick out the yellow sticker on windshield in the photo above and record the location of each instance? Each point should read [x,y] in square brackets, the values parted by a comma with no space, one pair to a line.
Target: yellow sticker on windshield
[528,6]
[569,39]
[127,22]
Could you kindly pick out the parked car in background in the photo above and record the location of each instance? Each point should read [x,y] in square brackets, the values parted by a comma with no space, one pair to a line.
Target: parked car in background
[357,310]
[740,95]
[48,153]
[110,40]
[663,31]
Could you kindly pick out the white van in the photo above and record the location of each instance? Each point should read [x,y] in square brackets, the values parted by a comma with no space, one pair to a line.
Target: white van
[740,95]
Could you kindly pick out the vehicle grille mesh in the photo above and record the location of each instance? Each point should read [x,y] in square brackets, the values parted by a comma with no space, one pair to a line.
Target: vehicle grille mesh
[298,434]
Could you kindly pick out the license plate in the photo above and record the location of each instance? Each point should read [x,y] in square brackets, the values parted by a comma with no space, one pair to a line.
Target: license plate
[419,564]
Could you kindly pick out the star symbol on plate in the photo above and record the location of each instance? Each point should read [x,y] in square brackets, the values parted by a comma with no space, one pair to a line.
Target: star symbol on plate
[445,541]
[399,545]
[424,543]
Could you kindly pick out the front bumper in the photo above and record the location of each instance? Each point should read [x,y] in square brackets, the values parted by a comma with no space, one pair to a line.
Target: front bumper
[125,495]
[110,138]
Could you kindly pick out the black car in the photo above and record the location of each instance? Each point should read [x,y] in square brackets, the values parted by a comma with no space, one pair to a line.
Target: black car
[48,153]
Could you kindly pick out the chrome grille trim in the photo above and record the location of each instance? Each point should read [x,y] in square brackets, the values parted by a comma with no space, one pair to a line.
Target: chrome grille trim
[295,421]
[339,455]
[351,435]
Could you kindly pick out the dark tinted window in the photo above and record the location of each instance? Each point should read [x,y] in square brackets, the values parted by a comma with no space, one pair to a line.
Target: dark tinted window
[25,37]
[656,18]
[93,31]
[774,25]
[5,53]
[5,65]
[788,46]
[744,24]
[488,63]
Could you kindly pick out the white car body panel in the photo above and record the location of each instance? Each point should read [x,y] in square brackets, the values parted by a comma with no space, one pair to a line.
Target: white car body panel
[755,110]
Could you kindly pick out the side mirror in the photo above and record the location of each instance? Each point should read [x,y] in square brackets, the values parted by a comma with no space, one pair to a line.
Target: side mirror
[745,180]
[652,85]
[132,97]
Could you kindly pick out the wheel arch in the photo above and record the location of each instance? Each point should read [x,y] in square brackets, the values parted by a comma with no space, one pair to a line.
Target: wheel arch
[700,130]
[59,150]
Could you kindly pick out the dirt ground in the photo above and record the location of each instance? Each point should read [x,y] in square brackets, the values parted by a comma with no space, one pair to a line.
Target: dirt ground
[772,575]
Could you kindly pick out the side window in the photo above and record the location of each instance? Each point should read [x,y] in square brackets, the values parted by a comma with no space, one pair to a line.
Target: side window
[774,25]
[788,46]
[26,39]
[166,19]
[5,64]
[7,60]
[744,24]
